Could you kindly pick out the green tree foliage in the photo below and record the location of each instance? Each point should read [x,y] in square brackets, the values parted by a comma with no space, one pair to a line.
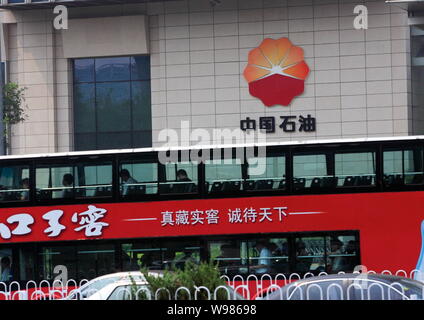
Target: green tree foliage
[193,275]
[13,108]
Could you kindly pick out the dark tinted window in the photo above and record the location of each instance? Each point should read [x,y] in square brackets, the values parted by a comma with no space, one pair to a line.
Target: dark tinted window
[84,70]
[14,183]
[112,103]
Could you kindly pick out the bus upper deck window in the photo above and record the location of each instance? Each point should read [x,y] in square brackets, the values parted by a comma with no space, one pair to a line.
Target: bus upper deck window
[84,180]
[266,173]
[55,182]
[180,178]
[14,183]
[311,171]
[403,167]
[224,174]
[355,169]
[138,178]
[93,180]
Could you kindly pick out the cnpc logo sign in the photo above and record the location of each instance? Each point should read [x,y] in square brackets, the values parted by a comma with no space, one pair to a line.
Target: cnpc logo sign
[276,72]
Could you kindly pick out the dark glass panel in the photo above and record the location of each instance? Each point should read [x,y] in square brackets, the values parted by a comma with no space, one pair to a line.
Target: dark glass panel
[95,260]
[85,107]
[50,257]
[140,68]
[142,139]
[84,70]
[119,140]
[113,107]
[85,141]
[113,69]
[141,105]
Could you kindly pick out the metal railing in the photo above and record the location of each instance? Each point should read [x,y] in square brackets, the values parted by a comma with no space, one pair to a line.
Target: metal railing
[237,287]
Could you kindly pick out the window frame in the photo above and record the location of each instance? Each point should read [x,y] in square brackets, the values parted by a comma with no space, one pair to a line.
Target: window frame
[17,203]
[73,162]
[403,148]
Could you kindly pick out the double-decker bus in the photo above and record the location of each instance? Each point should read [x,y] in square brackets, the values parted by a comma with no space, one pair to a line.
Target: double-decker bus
[312,207]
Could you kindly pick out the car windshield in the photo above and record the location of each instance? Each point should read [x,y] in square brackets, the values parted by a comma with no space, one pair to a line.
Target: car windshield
[130,292]
[92,287]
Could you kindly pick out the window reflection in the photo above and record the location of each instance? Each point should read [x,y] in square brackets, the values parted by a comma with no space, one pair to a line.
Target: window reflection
[140,68]
[84,70]
[112,69]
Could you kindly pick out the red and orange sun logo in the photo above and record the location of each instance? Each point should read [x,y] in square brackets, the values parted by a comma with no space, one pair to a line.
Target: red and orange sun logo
[276,72]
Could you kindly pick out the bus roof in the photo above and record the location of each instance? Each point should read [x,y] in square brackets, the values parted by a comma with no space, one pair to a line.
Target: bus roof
[217,146]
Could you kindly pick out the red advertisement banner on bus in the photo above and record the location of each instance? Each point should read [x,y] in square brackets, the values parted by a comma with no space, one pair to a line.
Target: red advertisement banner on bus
[388,223]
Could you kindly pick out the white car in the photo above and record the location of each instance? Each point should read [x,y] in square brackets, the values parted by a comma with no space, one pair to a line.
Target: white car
[92,289]
[123,290]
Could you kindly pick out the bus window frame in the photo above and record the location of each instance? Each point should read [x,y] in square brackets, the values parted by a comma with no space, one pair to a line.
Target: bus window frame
[20,163]
[202,240]
[162,179]
[72,162]
[393,147]
[148,157]
[241,156]
[273,152]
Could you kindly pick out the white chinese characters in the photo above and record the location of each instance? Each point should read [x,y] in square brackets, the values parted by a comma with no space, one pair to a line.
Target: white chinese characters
[24,220]
[235,216]
[53,218]
[88,220]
